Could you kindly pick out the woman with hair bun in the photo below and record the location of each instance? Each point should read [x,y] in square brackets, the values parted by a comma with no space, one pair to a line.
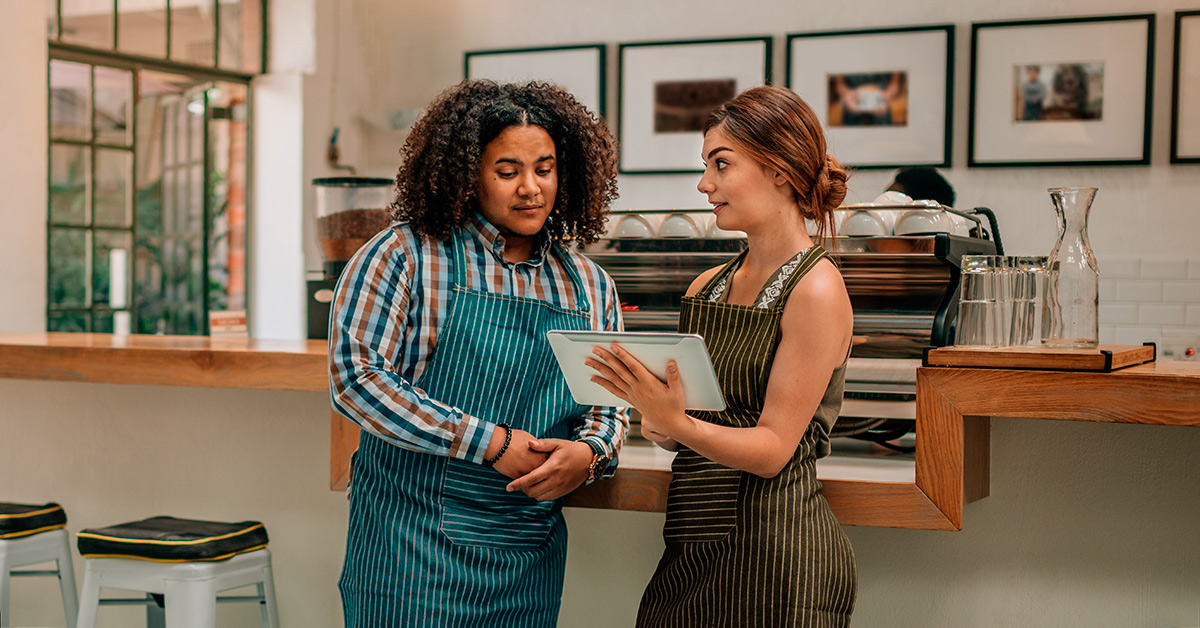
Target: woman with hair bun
[750,540]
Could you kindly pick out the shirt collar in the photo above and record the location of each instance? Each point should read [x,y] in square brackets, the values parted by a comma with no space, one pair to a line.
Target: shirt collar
[486,232]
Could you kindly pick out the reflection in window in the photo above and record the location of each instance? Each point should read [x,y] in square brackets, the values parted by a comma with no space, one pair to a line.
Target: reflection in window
[113,90]
[193,33]
[142,27]
[70,169]
[87,23]
[240,39]
[70,101]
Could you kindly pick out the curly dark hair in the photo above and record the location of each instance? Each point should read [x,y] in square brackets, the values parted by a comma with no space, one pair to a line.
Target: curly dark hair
[437,185]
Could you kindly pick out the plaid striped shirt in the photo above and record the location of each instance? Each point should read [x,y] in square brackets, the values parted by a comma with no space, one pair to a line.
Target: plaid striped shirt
[393,300]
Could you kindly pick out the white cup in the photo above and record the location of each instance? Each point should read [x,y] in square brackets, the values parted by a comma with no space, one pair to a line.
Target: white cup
[864,223]
[923,221]
[678,226]
[633,226]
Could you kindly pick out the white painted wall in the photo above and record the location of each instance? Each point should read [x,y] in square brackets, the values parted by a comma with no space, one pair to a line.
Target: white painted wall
[23,147]
[415,49]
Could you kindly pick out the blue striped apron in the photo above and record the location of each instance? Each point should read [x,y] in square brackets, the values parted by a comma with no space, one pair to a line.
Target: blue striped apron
[435,541]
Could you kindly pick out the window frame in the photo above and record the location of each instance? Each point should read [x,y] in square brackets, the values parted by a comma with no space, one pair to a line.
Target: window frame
[135,65]
[56,40]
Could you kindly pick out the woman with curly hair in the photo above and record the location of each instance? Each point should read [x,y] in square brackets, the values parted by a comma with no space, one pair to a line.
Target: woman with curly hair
[750,540]
[438,352]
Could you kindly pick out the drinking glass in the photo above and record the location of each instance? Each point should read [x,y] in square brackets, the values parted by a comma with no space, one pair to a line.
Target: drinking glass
[984,306]
[1028,287]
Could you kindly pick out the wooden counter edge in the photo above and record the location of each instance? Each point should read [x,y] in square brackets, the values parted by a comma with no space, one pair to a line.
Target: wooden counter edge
[194,366]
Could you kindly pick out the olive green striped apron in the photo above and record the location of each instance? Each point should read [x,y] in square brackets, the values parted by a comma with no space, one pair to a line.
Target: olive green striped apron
[742,550]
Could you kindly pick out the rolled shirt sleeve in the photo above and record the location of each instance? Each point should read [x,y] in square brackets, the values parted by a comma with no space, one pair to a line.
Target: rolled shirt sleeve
[367,328]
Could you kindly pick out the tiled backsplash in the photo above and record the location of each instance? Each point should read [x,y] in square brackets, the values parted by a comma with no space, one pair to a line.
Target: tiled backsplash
[1151,300]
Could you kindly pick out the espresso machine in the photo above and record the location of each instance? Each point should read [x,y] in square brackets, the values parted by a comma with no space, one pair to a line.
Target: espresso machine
[349,211]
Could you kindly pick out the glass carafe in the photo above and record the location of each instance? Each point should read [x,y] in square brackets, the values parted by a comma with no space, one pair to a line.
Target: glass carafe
[1072,300]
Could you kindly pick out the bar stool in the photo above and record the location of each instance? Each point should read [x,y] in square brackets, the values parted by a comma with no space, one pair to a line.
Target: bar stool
[32,534]
[181,564]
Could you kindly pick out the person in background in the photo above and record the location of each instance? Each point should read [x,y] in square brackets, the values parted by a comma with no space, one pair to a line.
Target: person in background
[1033,94]
[438,352]
[750,540]
[922,183]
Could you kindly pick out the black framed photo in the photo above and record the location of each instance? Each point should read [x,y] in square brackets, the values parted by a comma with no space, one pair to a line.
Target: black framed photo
[579,69]
[667,89]
[884,96]
[1062,92]
[1185,91]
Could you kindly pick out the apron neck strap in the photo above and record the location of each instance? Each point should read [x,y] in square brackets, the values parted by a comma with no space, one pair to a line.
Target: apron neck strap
[458,261]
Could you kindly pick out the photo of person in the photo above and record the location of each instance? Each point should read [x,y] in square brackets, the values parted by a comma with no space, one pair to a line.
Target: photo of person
[868,99]
[1068,91]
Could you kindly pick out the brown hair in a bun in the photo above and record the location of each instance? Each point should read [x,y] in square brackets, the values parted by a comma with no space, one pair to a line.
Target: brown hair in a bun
[780,130]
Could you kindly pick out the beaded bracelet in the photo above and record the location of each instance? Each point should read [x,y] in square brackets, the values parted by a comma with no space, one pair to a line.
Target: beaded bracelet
[503,448]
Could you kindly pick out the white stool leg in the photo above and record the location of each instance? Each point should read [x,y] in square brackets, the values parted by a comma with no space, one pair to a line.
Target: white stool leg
[191,604]
[270,612]
[4,567]
[66,583]
[89,601]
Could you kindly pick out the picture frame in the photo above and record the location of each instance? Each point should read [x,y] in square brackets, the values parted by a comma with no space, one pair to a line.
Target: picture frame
[1185,89]
[580,69]
[667,89]
[1061,92]
[884,96]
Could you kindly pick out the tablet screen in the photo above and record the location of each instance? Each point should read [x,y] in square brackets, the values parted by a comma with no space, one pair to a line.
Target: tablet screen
[652,349]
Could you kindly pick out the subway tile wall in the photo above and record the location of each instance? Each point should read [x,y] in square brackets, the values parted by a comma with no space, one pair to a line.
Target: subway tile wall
[1151,300]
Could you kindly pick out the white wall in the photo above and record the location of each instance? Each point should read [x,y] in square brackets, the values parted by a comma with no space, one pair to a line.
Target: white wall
[23,168]
[415,49]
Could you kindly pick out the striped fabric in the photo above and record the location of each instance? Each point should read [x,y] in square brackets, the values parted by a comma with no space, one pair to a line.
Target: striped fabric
[390,308]
[436,540]
[743,550]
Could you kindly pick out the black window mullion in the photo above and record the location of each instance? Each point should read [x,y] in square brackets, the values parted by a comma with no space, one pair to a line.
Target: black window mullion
[116,19]
[90,196]
[49,169]
[262,36]
[131,302]
[216,12]
[206,200]
[168,29]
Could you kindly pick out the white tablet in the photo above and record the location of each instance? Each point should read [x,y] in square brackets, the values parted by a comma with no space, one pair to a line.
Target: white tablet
[653,349]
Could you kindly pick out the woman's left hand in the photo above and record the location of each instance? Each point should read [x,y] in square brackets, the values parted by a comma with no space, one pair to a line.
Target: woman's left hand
[660,403]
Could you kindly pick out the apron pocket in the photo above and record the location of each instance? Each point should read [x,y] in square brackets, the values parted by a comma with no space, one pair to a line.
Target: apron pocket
[702,500]
[477,511]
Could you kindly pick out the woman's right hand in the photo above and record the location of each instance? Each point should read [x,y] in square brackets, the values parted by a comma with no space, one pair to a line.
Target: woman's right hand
[519,459]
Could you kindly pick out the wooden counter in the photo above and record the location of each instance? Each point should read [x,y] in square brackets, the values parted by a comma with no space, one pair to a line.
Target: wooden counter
[954,410]
[166,360]
[954,406]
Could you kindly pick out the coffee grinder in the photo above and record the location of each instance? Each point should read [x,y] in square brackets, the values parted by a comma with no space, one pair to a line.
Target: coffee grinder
[350,211]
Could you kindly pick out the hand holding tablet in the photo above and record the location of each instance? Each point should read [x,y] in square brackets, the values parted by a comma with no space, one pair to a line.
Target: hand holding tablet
[653,349]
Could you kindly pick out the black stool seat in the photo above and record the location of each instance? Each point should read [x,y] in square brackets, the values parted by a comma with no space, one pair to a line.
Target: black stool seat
[167,539]
[18,520]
